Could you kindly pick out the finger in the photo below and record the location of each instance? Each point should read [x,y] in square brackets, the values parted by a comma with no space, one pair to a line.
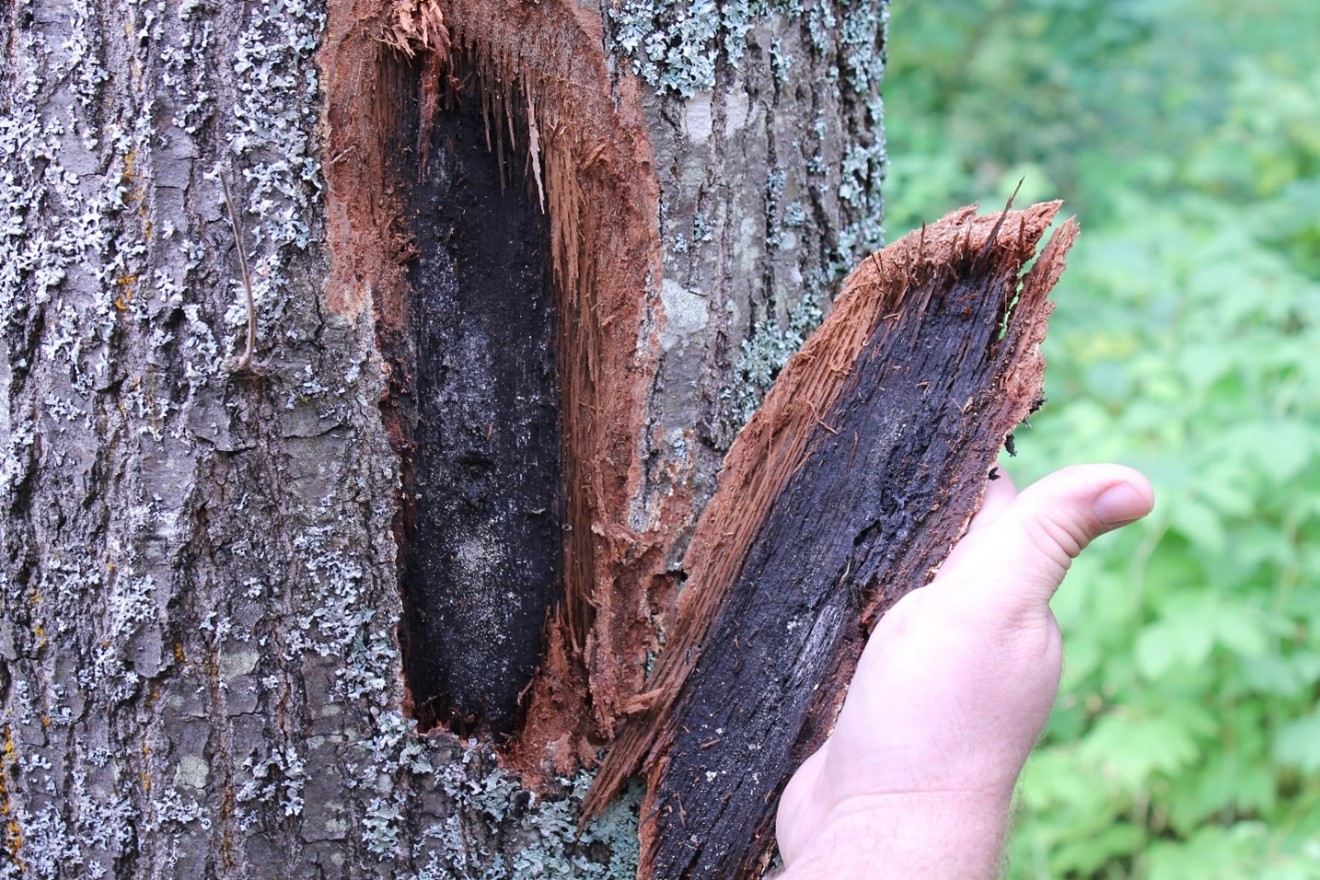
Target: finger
[1019,560]
[999,496]
[793,822]
[1000,493]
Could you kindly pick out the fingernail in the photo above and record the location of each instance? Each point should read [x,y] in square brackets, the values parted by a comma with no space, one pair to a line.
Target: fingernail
[1119,505]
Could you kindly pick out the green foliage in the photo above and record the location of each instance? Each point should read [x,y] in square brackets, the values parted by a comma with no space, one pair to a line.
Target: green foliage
[1186,740]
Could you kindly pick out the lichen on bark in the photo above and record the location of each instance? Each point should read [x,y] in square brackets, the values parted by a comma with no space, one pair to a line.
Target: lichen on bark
[770,186]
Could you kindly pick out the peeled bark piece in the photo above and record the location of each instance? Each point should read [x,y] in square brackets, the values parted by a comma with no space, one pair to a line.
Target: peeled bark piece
[845,492]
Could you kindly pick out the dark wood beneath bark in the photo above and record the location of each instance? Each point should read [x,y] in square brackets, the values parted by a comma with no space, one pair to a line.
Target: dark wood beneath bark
[483,504]
[886,467]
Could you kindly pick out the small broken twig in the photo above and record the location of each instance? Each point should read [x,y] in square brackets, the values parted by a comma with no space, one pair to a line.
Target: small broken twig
[245,361]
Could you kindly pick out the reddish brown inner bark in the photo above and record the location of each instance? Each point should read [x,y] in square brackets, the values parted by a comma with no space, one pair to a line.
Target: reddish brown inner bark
[586,146]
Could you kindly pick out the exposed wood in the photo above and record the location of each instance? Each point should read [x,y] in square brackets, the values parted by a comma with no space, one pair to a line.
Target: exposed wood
[483,496]
[590,174]
[603,248]
[845,491]
[579,149]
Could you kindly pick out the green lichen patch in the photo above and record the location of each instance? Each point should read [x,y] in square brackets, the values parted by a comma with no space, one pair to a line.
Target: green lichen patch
[765,352]
[538,837]
[675,45]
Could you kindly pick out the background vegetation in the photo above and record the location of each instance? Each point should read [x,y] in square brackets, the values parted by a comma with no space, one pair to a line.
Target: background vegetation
[1186,135]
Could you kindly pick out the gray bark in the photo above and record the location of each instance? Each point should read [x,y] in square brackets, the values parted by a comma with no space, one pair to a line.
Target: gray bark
[199,671]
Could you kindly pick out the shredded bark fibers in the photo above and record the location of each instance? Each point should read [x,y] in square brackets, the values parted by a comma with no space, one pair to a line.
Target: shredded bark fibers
[846,491]
[576,142]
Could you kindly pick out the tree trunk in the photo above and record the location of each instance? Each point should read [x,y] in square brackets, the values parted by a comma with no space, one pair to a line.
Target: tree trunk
[249,607]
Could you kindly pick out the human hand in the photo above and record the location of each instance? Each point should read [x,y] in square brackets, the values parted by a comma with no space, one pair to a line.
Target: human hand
[951,693]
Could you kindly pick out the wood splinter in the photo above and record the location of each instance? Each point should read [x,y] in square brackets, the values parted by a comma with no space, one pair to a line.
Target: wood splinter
[843,493]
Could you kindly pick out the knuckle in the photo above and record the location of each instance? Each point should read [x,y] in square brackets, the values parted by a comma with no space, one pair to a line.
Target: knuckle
[1061,538]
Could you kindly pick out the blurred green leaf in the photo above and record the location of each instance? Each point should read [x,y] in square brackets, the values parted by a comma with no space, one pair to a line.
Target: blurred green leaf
[1282,675]
[1130,749]
[1200,524]
[1299,743]
[1089,853]
[1186,134]
[1279,448]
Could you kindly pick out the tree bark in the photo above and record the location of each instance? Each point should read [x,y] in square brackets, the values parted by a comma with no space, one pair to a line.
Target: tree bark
[206,662]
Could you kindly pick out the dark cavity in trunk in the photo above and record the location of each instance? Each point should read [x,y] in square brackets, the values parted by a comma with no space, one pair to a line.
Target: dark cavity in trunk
[482,509]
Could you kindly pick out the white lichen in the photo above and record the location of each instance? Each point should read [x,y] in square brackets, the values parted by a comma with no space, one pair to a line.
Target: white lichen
[542,838]
[766,351]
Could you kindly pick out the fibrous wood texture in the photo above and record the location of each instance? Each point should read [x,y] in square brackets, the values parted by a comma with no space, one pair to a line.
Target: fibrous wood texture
[577,152]
[842,494]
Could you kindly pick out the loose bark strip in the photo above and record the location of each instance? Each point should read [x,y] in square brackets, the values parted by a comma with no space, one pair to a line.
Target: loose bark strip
[844,492]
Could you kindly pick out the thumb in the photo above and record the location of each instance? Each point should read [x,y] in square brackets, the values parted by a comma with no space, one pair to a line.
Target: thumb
[1020,559]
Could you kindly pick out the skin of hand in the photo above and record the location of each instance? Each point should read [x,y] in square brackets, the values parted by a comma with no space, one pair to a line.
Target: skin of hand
[951,694]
